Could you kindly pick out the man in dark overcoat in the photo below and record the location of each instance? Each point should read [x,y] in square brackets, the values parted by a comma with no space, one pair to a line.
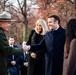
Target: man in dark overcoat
[53,41]
[5,49]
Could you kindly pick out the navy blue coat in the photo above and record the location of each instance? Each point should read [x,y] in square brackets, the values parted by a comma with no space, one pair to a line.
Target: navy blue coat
[53,41]
[10,59]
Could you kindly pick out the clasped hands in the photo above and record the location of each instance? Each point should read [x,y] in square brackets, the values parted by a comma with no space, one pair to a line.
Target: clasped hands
[26,48]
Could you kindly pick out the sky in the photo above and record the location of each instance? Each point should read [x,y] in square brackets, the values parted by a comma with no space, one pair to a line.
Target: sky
[16,4]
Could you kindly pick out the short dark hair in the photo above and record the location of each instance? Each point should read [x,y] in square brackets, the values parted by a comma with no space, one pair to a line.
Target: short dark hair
[55,17]
[11,37]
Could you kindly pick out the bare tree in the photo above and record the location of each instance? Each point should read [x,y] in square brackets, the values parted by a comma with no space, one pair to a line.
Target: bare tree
[19,12]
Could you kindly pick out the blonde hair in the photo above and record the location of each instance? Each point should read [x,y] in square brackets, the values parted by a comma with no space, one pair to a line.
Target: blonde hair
[44,26]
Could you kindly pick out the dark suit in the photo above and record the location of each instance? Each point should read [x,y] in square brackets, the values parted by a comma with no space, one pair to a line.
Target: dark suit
[23,59]
[11,58]
[5,50]
[53,41]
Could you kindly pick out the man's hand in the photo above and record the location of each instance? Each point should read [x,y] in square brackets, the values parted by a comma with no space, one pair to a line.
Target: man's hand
[26,64]
[13,62]
[24,43]
[25,47]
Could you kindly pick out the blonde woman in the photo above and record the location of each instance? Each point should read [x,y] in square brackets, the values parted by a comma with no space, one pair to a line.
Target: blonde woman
[36,60]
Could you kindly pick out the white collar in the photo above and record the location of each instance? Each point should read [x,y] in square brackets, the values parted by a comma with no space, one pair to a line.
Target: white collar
[57,28]
[11,45]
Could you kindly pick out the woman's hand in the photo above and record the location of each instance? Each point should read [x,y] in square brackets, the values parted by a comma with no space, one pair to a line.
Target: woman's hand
[33,55]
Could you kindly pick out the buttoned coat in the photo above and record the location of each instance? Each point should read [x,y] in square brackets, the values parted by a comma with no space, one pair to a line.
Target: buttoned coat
[6,50]
[53,41]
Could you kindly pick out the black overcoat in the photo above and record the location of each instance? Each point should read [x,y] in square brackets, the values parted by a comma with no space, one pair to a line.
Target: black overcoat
[36,66]
[53,41]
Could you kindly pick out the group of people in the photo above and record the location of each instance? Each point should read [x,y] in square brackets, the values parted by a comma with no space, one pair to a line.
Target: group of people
[53,46]
[58,47]
[45,47]
[16,64]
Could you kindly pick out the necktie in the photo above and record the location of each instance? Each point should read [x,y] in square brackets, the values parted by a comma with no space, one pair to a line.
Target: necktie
[24,55]
[12,55]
